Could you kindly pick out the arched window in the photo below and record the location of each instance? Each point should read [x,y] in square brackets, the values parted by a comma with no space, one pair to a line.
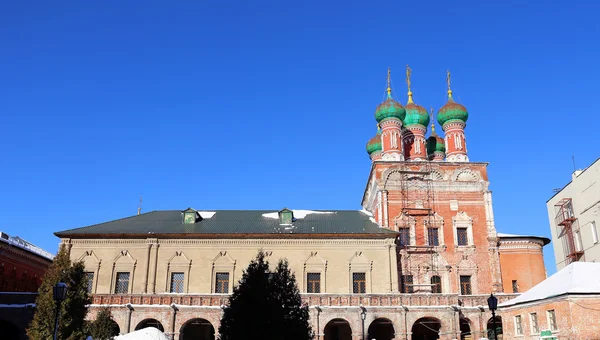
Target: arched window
[436,284]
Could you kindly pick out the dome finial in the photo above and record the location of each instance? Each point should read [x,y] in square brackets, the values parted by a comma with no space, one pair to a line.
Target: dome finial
[389,83]
[408,73]
[448,82]
[431,114]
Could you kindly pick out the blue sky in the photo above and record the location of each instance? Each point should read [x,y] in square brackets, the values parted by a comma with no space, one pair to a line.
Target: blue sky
[266,104]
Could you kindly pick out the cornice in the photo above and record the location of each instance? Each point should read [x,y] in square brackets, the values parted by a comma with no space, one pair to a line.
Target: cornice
[242,242]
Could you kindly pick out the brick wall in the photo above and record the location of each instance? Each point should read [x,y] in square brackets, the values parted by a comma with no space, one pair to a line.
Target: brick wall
[521,260]
[576,318]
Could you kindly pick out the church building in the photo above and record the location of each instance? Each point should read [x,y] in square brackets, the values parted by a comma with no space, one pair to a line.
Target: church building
[417,262]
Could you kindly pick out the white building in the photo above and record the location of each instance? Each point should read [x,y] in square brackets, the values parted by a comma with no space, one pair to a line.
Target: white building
[574,214]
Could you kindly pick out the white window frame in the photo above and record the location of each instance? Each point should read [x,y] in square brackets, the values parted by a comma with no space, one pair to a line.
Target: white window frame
[553,312]
[578,241]
[462,220]
[594,232]
[518,323]
[531,323]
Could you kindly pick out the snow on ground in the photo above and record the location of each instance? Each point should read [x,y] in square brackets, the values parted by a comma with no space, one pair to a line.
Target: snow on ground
[297,213]
[149,333]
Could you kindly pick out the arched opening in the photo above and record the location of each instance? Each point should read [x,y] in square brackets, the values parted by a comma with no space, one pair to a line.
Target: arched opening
[9,331]
[116,330]
[465,329]
[490,328]
[150,323]
[426,329]
[197,329]
[338,329]
[381,329]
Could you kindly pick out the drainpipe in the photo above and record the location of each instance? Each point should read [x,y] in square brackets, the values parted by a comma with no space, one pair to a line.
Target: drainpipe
[405,322]
[318,308]
[173,321]
[129,311]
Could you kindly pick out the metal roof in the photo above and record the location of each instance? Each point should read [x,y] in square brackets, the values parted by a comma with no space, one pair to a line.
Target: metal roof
[237,222]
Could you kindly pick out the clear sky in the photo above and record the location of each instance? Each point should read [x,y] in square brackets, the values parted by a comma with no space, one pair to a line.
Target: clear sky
[266,104]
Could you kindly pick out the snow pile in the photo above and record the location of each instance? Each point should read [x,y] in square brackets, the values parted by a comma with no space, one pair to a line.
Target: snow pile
[207,214]
[149,333]
[371,218]
[297,213]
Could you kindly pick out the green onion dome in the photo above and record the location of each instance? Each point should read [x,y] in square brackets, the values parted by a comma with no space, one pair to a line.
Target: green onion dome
[435,142]
[374,143]
[415,114]
[452,112]
[389,109]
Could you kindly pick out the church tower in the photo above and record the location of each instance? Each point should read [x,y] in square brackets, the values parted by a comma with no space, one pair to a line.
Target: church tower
[434,197]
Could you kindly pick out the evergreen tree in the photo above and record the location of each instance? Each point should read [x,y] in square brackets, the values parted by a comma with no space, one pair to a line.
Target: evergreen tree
[290,317]
[103,327]
[73,310]
[265,305]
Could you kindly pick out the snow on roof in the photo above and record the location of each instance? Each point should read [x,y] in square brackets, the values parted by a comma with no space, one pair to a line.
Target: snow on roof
[148,333]
[576,278]
[298,213]
[545,239]
[25,245]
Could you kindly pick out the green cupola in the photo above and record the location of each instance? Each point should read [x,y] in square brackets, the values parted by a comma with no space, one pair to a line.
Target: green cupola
[374,144]
[389,108]
[435,142]
[415,114]
[451,111]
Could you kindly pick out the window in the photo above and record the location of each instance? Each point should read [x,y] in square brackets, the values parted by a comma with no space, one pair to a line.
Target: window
[122,286]
[406,284]
[222,283]
[578,246]
[461,236]
[177,282]
[534,323]
[594,232]
[552,320]
[515,286]
[89,278]
[359,283]
[436,282]
[313,282]
[518,325]
[465,285]
[433,236]
[404,237]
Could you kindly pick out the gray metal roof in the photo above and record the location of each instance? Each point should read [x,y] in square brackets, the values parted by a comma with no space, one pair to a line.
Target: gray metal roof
[237,222]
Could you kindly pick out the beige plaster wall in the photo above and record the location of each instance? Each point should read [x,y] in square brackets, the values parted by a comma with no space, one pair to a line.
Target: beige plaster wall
[150,261]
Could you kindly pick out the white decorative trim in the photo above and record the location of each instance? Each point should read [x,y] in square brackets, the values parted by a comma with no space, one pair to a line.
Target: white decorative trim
[222,263]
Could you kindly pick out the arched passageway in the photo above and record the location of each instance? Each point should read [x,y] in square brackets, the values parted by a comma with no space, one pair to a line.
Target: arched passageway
[465,329]
[426,329]
[490,328]
[197,329]
[338,329]
[150,323]
[116,330]
[8,330]
[381,329]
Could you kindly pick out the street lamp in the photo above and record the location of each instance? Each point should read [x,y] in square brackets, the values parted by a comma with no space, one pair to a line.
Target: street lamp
[363,316]
[60,294]
[493,305]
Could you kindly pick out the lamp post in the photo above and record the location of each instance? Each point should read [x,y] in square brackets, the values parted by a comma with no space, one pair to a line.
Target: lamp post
[363,316]
[493,305]
[60,294]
